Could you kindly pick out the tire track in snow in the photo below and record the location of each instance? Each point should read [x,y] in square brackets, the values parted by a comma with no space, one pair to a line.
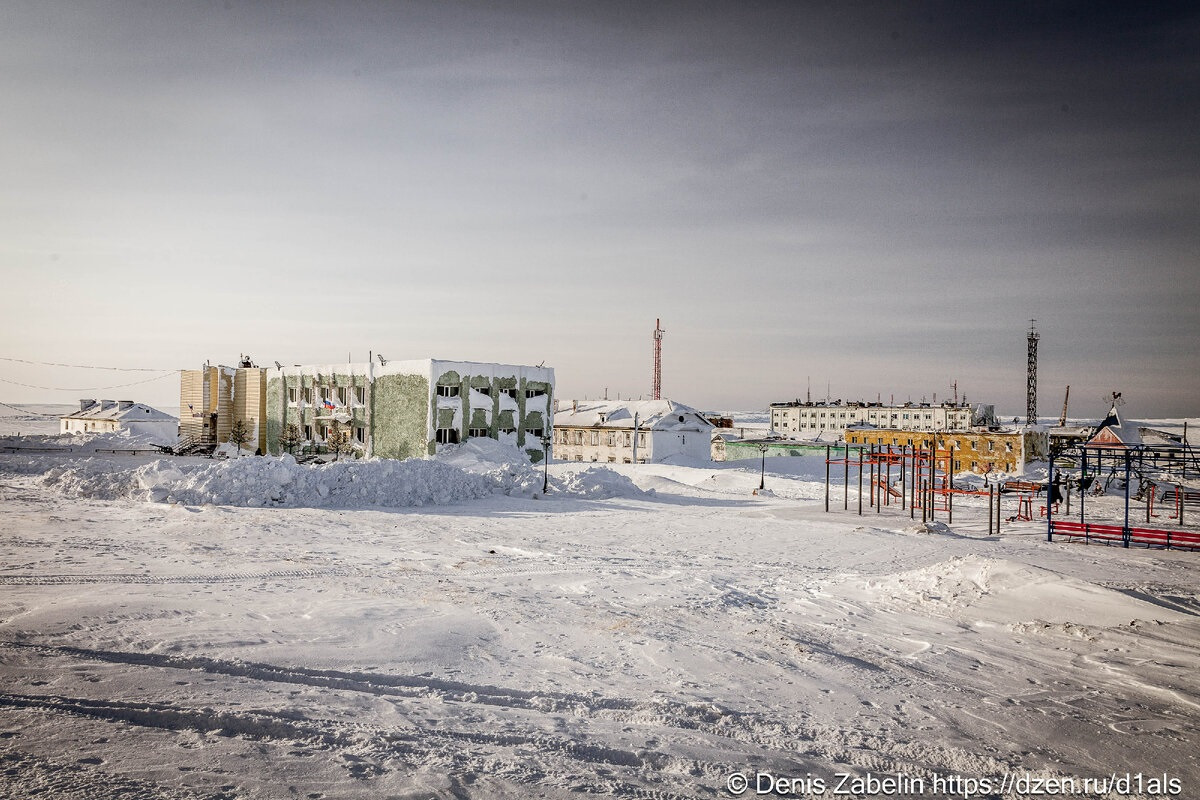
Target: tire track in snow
[25,774]
[365,749]
[835,744]
[135,578]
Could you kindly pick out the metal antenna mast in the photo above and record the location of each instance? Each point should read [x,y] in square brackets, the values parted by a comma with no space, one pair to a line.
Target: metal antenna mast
[658,336]
[1031,376]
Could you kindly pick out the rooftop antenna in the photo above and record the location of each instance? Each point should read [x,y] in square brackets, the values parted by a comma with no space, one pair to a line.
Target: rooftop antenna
[808,392]
[658,336]
[955,385]
[1031,375]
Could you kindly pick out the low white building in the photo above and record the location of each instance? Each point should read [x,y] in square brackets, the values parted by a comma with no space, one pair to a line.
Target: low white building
[630,431]
[108,416]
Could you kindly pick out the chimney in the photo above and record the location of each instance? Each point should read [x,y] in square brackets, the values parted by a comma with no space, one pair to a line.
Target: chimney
[574,406]
[106,404]
[124,404]
[84,405]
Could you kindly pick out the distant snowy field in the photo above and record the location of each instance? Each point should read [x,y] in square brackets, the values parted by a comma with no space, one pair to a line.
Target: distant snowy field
[189,628]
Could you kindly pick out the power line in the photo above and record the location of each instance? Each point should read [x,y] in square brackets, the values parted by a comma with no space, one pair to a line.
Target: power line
[93,389]
[78,366]
[27,411]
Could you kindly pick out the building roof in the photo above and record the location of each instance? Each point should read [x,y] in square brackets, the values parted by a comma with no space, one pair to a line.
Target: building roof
[122,410]
[659,415]
[1117,431]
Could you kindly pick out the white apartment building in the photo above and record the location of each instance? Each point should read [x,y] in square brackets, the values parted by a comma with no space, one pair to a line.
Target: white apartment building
[808,420]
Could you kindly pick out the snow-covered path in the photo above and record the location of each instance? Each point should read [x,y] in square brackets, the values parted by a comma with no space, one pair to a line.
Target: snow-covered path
[635,646]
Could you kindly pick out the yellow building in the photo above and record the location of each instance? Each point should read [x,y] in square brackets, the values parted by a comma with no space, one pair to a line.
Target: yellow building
[212,399]
[979,450]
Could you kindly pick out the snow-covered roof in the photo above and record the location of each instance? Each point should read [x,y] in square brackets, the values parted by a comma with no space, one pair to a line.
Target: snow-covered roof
[426,366]
[123,410]
[1123,432]
[662,415]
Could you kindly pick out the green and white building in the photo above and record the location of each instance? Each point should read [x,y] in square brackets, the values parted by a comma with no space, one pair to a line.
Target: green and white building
[407,409]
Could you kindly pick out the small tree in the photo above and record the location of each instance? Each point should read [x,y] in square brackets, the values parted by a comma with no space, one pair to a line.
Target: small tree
[239,434]
[290,438]
[338,440]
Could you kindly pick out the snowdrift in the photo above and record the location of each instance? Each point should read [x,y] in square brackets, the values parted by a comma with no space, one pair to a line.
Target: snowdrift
[468,472]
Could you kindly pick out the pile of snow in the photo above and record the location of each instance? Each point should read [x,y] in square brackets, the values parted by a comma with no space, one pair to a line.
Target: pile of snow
[274,482]
[470,471]
[516,476]
[85,443]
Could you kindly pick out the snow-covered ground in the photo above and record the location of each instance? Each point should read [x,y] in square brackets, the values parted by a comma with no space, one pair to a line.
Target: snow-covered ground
[184,628]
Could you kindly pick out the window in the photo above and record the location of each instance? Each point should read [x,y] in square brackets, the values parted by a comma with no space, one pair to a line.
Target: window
[485,390]
[447,391]
[511,393]
[991,446]
[447,435]
[308,432]
[628,439]
[535,432]
[612,459]
[324,431]
[534,392]
[595,437]
[341,395]
[360,395]
[507,430]
[612,439]
[957,465]
[292,394]
[641,440]
[308,394]
[578,437]
[477,432]
[579,457]
[360,434]
[565,435]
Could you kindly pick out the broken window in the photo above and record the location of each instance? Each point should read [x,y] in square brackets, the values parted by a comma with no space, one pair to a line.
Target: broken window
[447,435]
[447,391]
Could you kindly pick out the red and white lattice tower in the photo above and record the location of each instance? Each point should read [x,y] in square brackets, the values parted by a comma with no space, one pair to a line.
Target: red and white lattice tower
[658,334]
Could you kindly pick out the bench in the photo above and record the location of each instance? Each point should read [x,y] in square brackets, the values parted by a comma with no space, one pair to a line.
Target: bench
[1150,537]
[1022,486]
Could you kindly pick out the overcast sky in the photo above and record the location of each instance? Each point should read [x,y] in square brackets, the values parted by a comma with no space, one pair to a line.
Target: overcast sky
[874,197]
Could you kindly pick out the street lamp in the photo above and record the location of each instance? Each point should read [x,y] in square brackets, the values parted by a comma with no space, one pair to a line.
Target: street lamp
[763,447]
[546,439]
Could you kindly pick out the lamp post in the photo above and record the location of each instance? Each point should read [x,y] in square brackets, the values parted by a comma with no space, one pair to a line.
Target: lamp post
[763,447]
[545,462]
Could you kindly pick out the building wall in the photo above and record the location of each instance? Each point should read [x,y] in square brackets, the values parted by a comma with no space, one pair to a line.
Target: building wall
[974,451]
[212,399]
[606,445]
[813,419]
[404,414]
[193,403]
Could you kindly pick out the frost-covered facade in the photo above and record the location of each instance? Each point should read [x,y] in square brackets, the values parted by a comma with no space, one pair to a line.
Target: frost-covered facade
[630,431]
[407,409]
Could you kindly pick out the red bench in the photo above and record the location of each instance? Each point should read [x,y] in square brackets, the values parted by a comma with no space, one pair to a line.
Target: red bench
[1150,537]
